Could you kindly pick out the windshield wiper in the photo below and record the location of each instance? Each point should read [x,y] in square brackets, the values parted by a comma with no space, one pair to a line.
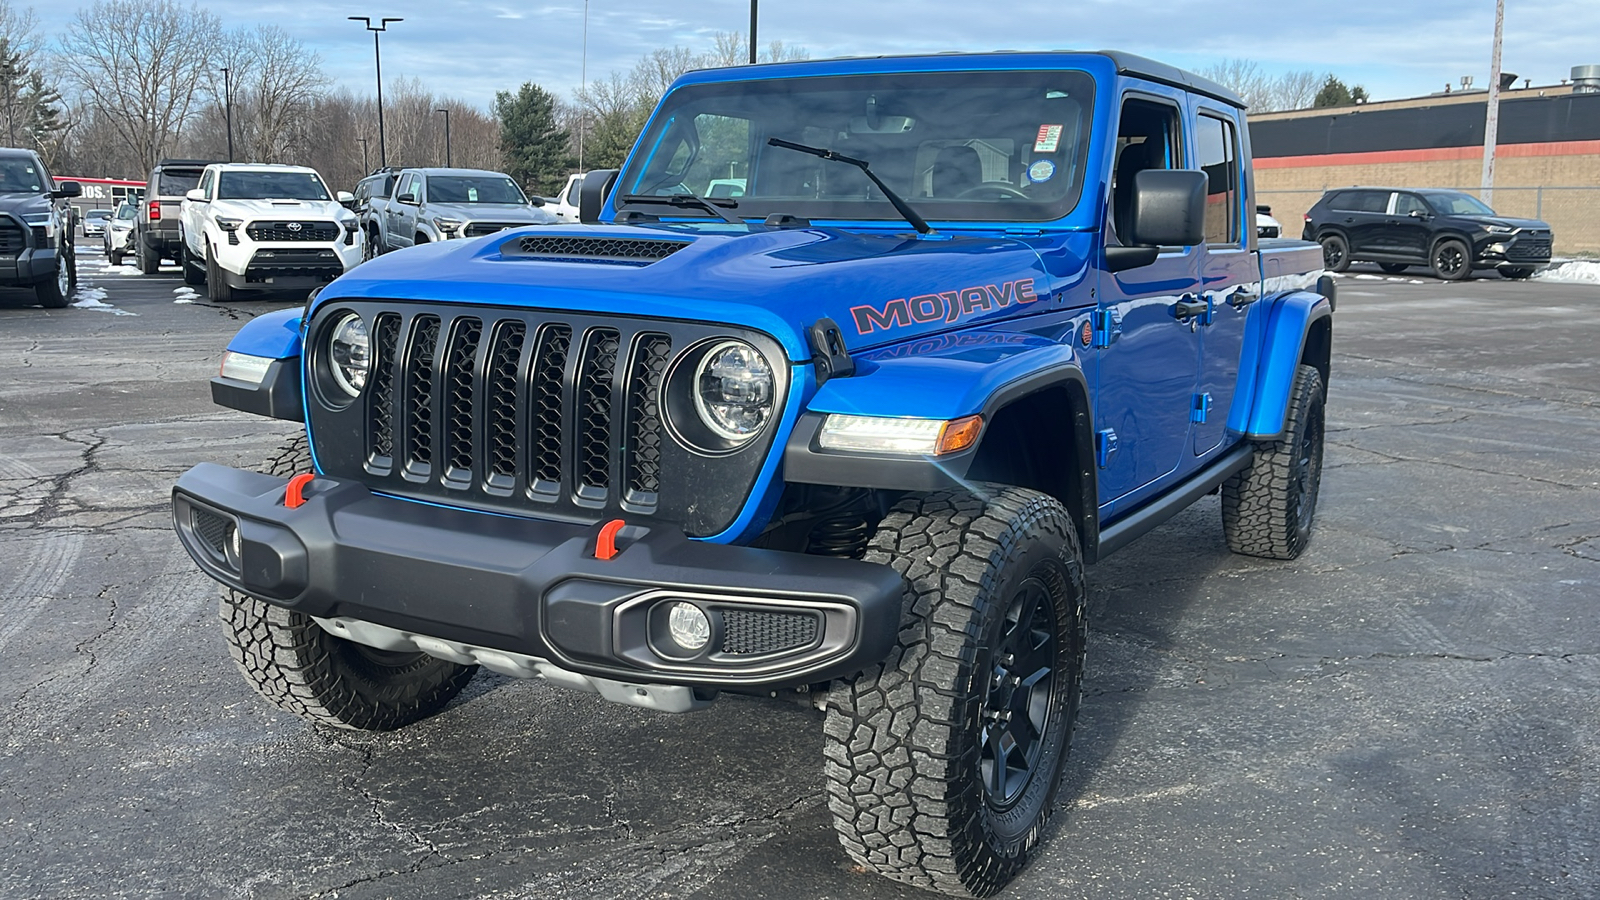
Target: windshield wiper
[685,201]
[901,206]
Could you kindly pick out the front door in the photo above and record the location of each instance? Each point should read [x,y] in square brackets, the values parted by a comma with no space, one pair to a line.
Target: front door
[1410,227]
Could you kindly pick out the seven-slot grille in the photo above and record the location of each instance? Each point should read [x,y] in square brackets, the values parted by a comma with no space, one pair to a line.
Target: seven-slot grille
[1531,245]
[287,231]
[559,415]
[12,237]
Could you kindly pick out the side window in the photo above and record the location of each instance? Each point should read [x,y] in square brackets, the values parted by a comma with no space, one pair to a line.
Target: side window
[1219,159]
[1148,137]
[407,185]
[205,182]
[1406,204]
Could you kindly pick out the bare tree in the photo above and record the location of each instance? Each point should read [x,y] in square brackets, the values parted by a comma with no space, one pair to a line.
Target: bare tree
[139,62]
[280,86]
[1263,92]
[1296,90]
[732,49]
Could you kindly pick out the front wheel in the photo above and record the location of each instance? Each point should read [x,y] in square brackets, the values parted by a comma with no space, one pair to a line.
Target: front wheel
[300,668]
[1451,260]
[1268,507]
[55,293]
[943,761]
[1335,253]
[217,287]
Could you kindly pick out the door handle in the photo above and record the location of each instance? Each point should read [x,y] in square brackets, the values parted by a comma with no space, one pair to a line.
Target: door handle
[1349,219]
[1190,307]
[1241,298]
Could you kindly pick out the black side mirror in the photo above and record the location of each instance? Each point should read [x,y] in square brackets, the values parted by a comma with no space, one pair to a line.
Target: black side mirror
[535,200]
[1169,210]
[407,198]
[592,196]
[1418,214]
[68,189]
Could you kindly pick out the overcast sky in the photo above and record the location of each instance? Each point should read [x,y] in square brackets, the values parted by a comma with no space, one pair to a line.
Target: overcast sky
[469,49]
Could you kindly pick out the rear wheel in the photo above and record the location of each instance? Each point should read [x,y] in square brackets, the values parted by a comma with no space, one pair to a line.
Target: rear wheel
[217,287]
[1450,260]
[1335,253]
[116,257]
[371,249]
[1268,508]
[149,259]
[300,668]
[1393,268]
[943,761]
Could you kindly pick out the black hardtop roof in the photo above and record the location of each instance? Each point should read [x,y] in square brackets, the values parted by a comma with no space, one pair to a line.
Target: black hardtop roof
[186,163]
[1126,63]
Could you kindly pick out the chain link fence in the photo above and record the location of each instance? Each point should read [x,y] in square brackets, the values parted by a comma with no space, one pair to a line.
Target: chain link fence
[1572,211]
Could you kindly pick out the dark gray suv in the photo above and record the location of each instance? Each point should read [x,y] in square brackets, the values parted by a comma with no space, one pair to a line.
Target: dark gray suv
[36,229]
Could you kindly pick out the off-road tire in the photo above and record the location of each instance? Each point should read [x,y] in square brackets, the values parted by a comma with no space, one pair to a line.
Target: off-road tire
[149,260]
[193,273]
[302,669]
[1393,268]
[1335,252]
[905,740]
[1517,273]
[1268,508]
[115,256]
[217,288]
[1451,260]
[371,248]
[56,292]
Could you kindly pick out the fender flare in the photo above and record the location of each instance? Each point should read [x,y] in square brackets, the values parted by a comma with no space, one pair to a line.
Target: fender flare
[1269,377]
[275,336]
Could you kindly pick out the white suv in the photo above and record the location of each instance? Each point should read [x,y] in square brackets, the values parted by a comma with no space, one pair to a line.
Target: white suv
[250,226]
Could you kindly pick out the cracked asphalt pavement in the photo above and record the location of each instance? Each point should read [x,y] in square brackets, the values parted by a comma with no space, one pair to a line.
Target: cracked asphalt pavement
[1407,711]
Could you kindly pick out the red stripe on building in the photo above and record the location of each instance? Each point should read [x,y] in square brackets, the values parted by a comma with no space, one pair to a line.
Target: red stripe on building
[1432,154]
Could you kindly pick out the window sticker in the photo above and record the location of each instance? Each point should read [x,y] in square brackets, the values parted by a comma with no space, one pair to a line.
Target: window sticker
[472,195]
[1041,171]
[1048,140]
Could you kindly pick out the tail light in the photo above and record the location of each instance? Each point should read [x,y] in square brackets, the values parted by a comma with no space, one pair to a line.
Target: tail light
[1308,217]
[155,210]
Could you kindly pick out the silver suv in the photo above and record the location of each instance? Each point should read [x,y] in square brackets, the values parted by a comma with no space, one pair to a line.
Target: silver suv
[440,204]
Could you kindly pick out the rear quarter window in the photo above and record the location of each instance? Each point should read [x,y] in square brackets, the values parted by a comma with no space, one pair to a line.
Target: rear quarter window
[176,183]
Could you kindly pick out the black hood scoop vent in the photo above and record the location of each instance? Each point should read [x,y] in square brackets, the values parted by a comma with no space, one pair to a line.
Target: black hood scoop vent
[613,251]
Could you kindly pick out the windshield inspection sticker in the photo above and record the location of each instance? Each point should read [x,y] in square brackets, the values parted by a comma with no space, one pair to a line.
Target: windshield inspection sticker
[472,195]
[1041,171]
[1048,140]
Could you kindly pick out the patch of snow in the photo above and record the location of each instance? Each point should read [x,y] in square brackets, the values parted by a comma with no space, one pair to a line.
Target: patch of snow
[1414,281]
[1577,271]
[1368,277]
[93,298]
[188,299]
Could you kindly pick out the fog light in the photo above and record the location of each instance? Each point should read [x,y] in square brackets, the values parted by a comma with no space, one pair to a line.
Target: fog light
[1497,248]
[236,543]
[689,627]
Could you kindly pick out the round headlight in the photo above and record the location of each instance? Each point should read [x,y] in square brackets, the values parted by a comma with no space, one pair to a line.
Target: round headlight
[689,627]
[349,354]
[733,390]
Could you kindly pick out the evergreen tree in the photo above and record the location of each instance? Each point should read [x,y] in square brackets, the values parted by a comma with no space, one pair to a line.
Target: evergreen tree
[1336,93]
[534,145]
[41,116]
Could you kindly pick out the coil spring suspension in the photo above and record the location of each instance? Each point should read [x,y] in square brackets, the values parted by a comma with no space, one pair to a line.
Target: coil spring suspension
[844,536]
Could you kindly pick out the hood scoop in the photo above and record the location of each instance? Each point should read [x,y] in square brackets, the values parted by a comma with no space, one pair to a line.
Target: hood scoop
[613,251]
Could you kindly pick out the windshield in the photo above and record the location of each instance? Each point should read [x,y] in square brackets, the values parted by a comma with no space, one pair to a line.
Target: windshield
[97,214]
[1458,205]
[127,211]
[270,186]
[19,176]
[986,146]
[474,189]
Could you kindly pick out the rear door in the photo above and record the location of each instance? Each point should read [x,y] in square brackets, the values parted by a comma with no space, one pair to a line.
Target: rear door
[1230,269]
[1363,220]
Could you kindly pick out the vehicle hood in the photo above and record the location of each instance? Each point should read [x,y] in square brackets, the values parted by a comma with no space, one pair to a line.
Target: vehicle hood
[1533,224]
[879,288]
[24,203]
[491,212]
[277,209]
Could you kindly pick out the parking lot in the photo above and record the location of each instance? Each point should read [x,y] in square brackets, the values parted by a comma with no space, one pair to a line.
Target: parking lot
[1407,711]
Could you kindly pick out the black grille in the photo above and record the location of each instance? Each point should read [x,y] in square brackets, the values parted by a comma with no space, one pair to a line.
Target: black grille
[636,251]
[287,231]
[530,412]
[752,631]
[478,229]
[1530,247]
[12,238]
[211,529]
[644,413]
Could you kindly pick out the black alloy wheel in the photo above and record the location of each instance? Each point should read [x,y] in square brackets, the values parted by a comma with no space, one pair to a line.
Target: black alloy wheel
[1022,683]
[1450,262]
[1335,253]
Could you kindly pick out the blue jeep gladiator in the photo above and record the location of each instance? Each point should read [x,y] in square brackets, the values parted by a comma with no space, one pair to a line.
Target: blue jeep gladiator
[970,323]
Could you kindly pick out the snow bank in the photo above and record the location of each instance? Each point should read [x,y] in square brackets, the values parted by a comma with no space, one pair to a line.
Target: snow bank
[1576,271]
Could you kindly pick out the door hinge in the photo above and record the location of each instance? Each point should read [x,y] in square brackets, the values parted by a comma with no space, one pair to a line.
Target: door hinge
[1200,407]
[1105,446]
[1107,325]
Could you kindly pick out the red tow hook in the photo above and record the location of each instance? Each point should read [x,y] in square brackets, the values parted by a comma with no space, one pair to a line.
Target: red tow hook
[605,547]
[294,497]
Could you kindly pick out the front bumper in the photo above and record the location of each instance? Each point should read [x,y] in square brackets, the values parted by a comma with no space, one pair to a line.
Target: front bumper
[31,266]
[252,266]
[1518,249]
[520,594]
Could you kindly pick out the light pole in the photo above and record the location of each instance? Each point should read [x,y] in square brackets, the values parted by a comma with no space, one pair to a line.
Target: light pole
[752,32]
[227,107]
[446,136]
[363,142]
[11,121]
[377,58]
[583,78]
[1491,124]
